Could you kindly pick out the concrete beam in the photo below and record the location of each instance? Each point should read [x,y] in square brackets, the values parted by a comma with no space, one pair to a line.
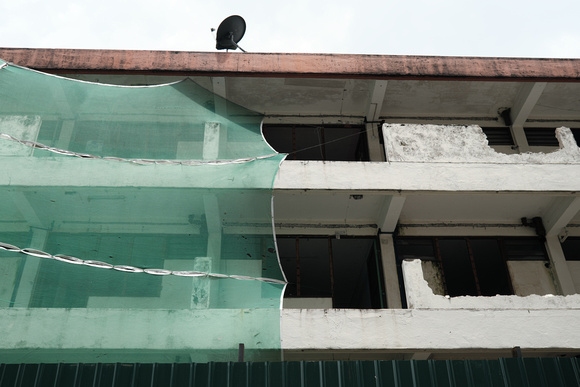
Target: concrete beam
[390,212]
[300,175]
[560,214]
[23,291]
[559,266]
[376,100]
[389,261]
[211,141]
[525,101]
[28,213]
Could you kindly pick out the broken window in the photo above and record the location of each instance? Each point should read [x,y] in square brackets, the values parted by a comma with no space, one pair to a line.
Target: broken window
[472,266]
[346,270]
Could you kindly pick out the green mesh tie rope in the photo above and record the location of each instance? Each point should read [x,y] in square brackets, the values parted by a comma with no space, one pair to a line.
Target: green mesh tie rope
[136,224]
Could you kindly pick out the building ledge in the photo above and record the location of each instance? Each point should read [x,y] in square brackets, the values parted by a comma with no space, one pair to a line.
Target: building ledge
[188,63]
[429,330]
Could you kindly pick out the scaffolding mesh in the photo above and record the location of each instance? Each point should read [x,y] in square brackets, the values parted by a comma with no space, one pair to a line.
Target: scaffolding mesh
[136,224]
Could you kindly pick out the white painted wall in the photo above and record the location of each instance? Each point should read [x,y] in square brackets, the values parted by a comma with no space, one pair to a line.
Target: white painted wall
[433,329]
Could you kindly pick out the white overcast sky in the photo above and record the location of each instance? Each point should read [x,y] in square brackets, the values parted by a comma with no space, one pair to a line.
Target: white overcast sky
[502,28]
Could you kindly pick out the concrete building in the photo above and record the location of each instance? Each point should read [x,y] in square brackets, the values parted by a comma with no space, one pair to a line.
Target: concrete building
[428,207]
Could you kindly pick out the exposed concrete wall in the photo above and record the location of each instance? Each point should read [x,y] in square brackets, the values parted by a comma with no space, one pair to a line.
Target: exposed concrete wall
[465,144]
[420,296]
[437,329]
[432,275]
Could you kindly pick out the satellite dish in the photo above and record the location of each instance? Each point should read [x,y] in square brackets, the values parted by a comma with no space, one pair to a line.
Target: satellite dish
[230,32]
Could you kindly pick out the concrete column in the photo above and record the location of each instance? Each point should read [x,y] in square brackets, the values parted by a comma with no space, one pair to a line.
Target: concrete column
[23,291]
[389,261]
[520,139]
[559,266]
[376,149]
[211,141]
[66,132]
[214,242]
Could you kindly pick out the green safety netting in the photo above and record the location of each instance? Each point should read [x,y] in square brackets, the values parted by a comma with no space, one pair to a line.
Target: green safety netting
[136,224]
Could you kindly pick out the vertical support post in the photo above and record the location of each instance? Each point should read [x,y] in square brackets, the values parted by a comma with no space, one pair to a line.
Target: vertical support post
[200,294]
[297,266]
[214,239]
[66,132]
[241,348]
[23,292]
[565,284]
[331,264]
[520,139]
[524,103]
[211,141]
[389,261]
[375,143]
[374,140]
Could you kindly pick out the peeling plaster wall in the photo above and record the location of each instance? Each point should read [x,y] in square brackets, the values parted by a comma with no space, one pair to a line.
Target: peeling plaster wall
[465,144]
[420,296]
[432,275]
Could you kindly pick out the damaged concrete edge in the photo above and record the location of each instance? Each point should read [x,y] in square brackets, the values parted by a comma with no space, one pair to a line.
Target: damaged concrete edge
[465,144]
[421,296]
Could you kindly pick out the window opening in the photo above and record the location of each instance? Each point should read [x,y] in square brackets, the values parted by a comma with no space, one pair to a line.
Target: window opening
[318,142]
[471,266]
[541,136]
[576,134]
[347,270]
[498,135]
[571,248]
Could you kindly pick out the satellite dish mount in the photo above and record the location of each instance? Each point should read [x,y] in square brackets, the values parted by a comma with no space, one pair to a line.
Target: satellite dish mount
[230,32]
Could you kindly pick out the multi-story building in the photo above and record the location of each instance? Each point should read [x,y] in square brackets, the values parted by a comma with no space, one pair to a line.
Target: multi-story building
[427,208]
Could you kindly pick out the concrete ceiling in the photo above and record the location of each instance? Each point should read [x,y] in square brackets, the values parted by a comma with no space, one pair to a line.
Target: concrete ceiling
[307,100]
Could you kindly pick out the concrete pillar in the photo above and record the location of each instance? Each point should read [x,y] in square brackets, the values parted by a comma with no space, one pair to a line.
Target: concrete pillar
[376,149]
[389,261]
[214,242]
[66,132]
[560,268]
[520,139]
[211,141]
[23,291]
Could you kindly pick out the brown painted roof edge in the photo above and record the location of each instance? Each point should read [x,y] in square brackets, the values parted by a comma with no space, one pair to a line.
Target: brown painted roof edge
[293,65]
